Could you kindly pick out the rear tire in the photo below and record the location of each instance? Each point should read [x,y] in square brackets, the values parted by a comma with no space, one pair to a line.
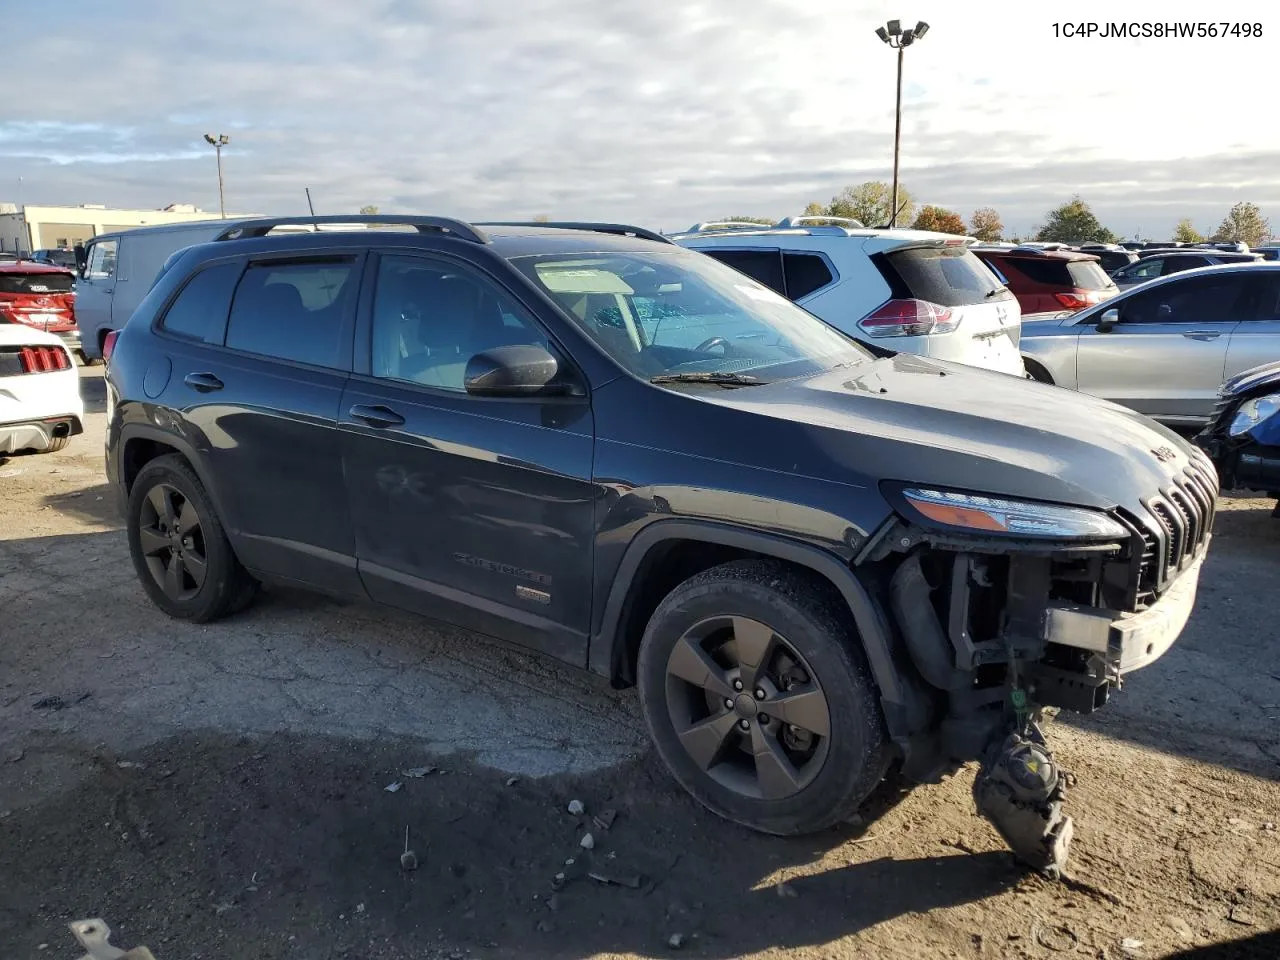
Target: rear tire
[179,548]
[815,650]
[1037,372]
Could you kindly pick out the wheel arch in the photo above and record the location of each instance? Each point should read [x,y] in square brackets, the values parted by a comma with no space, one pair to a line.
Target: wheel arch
[613,649]
[140,444]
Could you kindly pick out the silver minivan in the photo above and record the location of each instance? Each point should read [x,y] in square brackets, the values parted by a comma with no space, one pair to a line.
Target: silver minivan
[119,270]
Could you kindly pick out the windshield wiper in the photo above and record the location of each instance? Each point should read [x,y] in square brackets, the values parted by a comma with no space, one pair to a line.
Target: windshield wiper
[724,378]
[991,293]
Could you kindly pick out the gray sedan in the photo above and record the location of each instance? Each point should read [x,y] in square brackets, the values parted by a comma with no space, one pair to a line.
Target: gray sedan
[1165,347]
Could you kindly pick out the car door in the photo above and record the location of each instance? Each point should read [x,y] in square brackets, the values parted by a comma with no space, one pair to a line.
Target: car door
[94,290]
[478,511]
[1166,355]
[260,350]
[1256,340]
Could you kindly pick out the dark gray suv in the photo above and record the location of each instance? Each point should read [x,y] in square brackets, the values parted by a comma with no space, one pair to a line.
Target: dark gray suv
[815,562]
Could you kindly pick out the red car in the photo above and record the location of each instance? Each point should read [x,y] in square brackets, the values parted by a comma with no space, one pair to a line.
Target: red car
[41,296]
[1049,281]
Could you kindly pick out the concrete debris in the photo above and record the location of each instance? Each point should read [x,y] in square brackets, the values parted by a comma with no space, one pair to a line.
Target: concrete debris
[632,880]
[129,765]
[1241,916]
[95,936]
[359,908]
[588,842]
[604,819]
[1131,945]
[676,941]
[512,781]
[417,773]
[393,786]
[577,808]
[553,902]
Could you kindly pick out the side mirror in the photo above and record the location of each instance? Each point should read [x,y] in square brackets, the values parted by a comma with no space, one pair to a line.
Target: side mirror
[1106,323]
[522,370]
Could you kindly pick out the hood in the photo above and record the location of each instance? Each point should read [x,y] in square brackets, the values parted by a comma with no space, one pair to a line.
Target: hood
[924,421]
[1267,375]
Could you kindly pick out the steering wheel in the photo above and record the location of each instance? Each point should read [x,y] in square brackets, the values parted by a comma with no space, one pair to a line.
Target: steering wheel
[710,342]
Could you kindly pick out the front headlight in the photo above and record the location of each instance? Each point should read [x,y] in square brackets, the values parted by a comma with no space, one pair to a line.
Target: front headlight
[1253,412]
[979,514]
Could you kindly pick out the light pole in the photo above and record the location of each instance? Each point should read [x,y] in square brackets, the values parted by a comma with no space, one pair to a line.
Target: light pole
[218,142]
[893,34]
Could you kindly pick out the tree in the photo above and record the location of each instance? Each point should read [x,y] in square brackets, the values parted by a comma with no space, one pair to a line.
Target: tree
[765,221]
[1245,223]
[985,225]
[938,220]
[542,218]
[368,210]
[1184,232]
[870,202]
[1074,222]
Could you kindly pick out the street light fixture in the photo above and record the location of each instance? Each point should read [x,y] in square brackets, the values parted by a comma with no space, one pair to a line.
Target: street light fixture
[899,39]
[218,142]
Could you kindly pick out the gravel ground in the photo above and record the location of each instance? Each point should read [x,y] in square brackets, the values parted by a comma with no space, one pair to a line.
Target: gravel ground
[219,791]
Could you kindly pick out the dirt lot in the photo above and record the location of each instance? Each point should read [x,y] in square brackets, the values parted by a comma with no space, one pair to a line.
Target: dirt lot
[218,792]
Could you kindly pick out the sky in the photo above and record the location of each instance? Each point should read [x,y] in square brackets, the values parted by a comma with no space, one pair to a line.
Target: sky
[661,112]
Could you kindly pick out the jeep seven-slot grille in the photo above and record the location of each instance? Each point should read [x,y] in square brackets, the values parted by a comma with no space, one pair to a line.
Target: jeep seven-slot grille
[1183,517]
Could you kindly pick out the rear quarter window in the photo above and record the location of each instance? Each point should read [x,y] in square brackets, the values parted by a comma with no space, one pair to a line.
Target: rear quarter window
[805,273]
[200,310]
[293,310]
[947,276]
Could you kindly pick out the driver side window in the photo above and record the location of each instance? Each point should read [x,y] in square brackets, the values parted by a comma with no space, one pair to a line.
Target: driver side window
[101,261]
[430,318]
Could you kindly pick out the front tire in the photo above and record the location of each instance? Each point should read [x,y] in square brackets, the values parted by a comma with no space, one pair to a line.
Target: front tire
[758,699]
[179,549]
[1037,372]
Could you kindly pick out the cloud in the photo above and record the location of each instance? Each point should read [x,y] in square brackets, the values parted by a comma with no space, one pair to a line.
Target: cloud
[662,112]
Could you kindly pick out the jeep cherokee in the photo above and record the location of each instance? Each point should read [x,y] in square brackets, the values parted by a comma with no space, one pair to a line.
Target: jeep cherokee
[814,562]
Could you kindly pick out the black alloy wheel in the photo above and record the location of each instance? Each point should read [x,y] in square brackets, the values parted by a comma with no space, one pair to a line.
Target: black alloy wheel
[179,549]
[757,694]
[746,708]
[172,541]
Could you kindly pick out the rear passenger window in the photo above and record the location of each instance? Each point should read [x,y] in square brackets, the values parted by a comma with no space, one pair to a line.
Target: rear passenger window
[805,273]
[763,266]
[200,311]
[293,310]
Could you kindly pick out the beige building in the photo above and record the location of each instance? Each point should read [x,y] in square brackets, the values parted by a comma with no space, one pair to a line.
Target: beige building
[31,227]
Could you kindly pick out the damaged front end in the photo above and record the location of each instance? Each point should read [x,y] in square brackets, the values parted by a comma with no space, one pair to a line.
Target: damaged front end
[997,626]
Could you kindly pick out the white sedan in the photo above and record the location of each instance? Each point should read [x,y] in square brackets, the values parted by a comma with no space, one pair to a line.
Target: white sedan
[40,405]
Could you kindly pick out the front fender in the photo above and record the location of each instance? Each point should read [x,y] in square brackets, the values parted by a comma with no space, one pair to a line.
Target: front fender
[607,646]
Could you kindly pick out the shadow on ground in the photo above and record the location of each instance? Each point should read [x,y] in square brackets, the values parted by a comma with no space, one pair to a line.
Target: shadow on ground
[292,846]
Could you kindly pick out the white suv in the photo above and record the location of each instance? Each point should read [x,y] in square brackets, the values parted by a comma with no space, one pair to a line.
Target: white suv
[907,290]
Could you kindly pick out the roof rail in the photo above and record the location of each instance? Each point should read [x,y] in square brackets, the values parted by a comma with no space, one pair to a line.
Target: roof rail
[621,229]
[244,229]
[801,221]
[727,225]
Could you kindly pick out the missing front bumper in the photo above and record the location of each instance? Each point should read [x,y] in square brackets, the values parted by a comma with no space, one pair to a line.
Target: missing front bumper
[1127,641]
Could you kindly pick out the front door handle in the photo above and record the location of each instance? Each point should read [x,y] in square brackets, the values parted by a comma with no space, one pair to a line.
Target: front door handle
[1202,334]
[376,416]
[204,382]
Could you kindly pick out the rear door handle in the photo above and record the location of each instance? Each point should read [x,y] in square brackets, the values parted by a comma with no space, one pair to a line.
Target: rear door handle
[204,382]
[376,416]
[1202,334]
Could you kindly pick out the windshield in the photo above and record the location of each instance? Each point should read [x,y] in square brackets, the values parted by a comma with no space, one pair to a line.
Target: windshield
[663,314]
